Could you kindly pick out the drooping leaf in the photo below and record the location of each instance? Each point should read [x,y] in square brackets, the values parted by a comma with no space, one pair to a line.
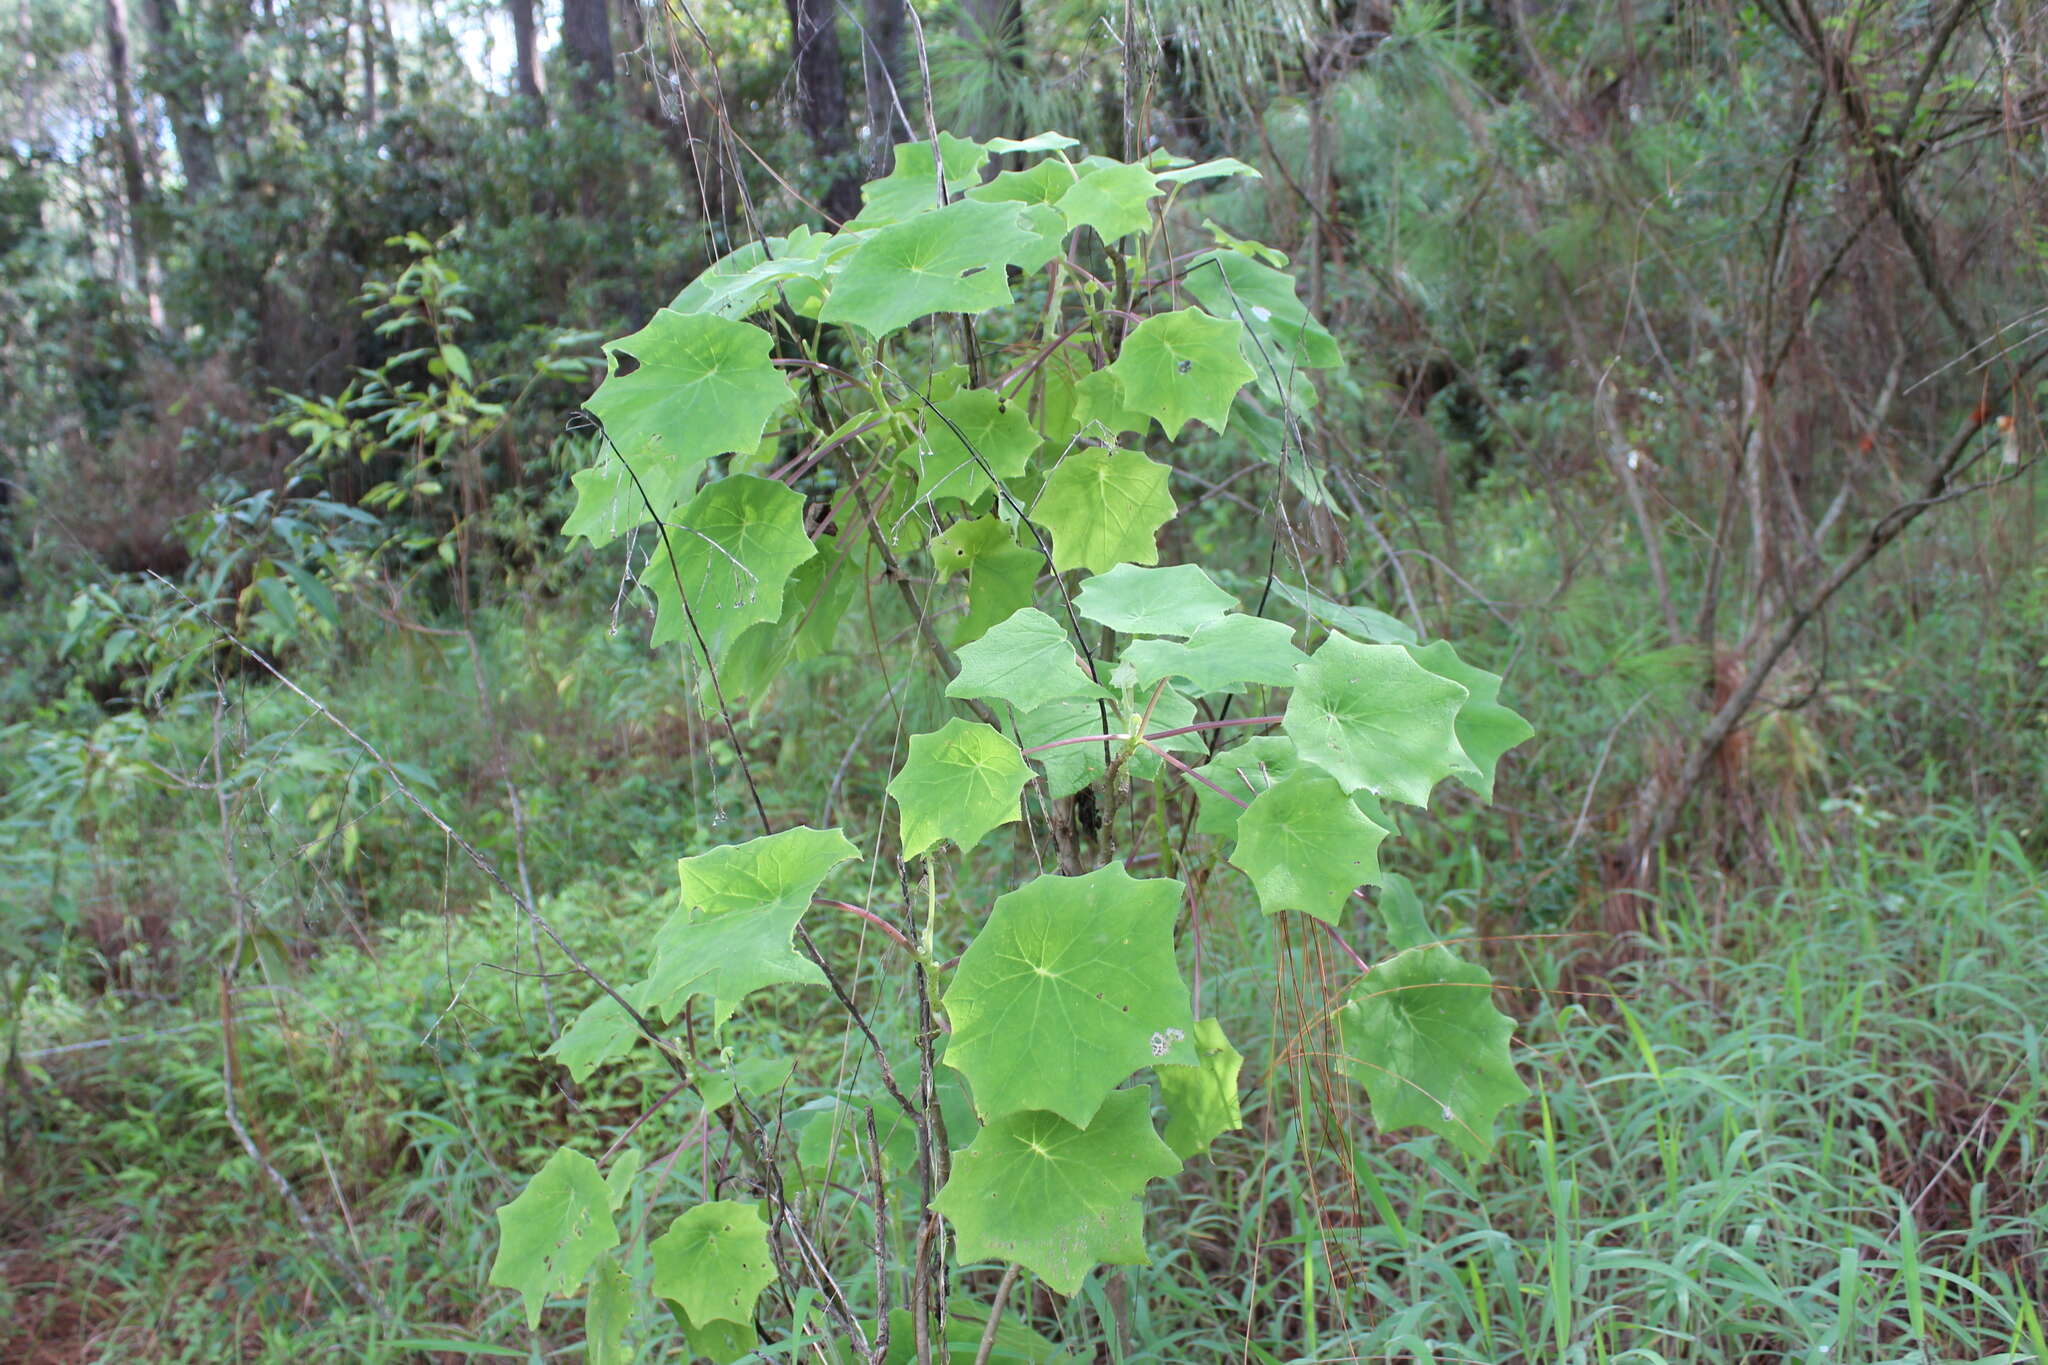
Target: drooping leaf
[1000,573]
[1222,166]
[813,603]
[605,1314]
[1401,911]
[713,1262]
[1367,622]
[1070,986]
[1104,508]
[1038,142]
[967,437]
[1486,729]
[950,260]
[554,1232]
[958,783]
[1026,661]
[1371,717]
[1182,366]
[1115,200]
[1179,600]
[749,279]
[728,555]
[1422,1036]
[602,1033]
[1201,1100]
[618,1181]
[775,871]
[1306,847]
[703,386]
[1056,1199]
[1226,655]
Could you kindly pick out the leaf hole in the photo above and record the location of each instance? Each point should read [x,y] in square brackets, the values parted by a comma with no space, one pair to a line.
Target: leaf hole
[627,363]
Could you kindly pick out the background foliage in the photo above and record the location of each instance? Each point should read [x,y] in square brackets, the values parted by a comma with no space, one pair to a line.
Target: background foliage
[1658,319]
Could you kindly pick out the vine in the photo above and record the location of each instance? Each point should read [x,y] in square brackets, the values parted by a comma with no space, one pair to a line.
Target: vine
[956,395]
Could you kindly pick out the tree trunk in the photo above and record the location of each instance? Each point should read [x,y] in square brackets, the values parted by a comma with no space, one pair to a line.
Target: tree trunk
[821,99]
[587,38]
[526,64]
[369,109]
[128,147]
[881,65]
[179,76]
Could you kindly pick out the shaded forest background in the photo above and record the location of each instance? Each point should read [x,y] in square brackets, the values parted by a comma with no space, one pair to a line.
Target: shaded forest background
[1695,375]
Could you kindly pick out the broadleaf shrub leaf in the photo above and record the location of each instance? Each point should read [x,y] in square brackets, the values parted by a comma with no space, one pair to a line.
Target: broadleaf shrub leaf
[554,1232]
[1069,988]
[1056,1199]
[1422,1036]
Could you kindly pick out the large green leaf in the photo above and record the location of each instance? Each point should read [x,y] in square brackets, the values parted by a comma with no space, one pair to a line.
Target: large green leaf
[702,386]
[1103,508]
[1027,661]
[554,1232]
[1281,336]
[1069,987]
[912,186]
[1000,573]
[1371,717]
[1486,729]
[1306,847]
[1182,366]
[1115,200]
[959,783]
[1422,1036]
[728,555]
[1201,1100]
[713,1262]
[1056,1199]
[950,260]
[726,957]
[775,871]
[741,906]
[602,1033]
[1178,600]
[1225,655]
[967,437]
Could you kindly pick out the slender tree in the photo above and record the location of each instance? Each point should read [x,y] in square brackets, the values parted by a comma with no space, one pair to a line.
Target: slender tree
[180,76]
[526,72]
[587,38]
[821,99]
[127,144]
[881,64]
